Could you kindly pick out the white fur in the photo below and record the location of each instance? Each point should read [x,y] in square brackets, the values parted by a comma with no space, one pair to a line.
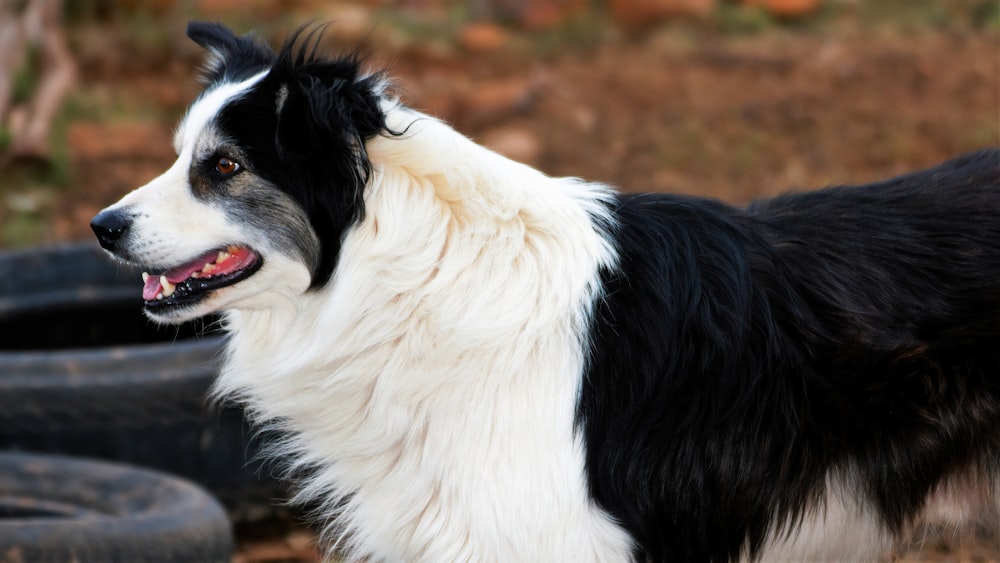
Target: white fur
[435,379]
[842,527]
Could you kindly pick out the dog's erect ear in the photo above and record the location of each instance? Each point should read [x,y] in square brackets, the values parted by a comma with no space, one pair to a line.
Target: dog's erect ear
[230,56]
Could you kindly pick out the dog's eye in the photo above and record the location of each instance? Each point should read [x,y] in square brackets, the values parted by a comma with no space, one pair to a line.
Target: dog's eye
[227,166]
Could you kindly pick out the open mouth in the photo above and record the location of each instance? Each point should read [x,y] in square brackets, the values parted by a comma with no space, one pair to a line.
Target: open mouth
[191,282]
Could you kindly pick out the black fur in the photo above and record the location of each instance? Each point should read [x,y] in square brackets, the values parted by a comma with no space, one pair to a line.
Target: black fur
[303,127]
[237,58]
[738,356]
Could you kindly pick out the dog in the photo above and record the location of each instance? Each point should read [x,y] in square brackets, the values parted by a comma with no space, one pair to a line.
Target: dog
[473,361]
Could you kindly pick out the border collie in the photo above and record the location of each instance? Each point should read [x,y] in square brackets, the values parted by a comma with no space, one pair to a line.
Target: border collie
[473,361]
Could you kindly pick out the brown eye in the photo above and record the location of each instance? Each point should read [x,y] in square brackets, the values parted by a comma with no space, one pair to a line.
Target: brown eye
[226,167]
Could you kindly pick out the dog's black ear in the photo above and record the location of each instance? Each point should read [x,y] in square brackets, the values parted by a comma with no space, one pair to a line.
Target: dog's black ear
[323,103]
[327,107]
[230,56]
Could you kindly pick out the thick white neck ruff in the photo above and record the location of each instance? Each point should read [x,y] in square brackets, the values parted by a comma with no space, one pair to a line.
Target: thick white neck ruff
[432,385]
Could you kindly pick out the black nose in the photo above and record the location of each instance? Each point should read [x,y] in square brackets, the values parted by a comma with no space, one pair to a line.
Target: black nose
[110,227]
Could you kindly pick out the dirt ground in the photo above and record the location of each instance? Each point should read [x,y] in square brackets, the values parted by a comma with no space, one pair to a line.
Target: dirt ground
[685,107]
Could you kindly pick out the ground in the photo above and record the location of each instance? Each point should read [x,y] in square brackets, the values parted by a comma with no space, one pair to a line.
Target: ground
[732,107]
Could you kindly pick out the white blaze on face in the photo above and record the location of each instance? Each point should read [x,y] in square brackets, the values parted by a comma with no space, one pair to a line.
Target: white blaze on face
[206,108]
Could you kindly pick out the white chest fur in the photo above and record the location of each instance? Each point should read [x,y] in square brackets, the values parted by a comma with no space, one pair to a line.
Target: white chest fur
[431,387]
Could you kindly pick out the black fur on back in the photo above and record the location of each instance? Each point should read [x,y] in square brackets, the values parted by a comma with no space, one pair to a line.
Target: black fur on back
[739,356]
[303,126]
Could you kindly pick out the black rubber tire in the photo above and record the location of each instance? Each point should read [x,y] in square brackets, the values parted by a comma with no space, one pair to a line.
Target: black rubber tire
[55,508]
[83,373]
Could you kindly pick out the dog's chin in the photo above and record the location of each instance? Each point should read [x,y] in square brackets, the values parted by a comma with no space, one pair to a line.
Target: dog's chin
[178,314]
[194,289]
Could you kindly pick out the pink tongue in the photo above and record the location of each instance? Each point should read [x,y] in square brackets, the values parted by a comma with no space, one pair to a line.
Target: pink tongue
[152,286]
[239,259]
[184,272]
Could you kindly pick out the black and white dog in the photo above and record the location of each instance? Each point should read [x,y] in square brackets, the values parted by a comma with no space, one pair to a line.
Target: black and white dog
[473,361]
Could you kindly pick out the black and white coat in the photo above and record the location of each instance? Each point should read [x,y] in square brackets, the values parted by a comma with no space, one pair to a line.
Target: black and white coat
[473,361]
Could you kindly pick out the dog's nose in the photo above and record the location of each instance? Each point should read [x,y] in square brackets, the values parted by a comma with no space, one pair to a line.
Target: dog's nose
[110,226]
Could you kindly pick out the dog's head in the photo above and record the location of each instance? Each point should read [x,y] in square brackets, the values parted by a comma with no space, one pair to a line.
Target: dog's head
[270,173]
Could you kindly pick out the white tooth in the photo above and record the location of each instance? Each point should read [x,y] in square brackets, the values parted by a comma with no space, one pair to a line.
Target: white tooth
[168,288]
[159,296]
[207,268]
[145,277]
[223,255]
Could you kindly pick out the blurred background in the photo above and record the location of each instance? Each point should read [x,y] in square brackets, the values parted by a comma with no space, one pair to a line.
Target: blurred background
[734,99]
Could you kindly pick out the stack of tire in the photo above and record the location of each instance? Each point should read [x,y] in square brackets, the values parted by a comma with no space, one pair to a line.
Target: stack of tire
[109,448]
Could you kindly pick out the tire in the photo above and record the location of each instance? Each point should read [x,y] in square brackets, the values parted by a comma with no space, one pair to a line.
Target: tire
[82,372]
[55,508]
